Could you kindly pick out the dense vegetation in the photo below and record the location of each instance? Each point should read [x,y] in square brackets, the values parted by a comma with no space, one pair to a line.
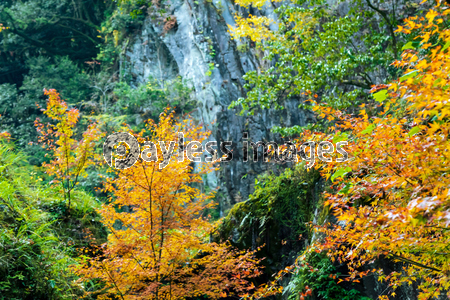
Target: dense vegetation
[39,239]
[374,74]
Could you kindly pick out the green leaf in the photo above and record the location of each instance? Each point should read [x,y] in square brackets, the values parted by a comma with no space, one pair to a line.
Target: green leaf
[340,173]
[408,45]
[446,46]
[380,96]
[52,283]
[340,137]
[369,129]
[437,81]
[409,75]
[413,131]
[345,190]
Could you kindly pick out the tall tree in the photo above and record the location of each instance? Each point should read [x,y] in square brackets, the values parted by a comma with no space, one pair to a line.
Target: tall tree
[158,246]
[70,157]
[391,197]
[393,193]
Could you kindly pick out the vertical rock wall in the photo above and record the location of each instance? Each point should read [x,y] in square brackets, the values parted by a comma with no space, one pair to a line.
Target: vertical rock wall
[197,44]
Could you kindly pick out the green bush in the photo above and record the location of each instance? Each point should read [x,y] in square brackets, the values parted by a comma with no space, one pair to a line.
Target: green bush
[316,272]
[19,107]
[149,101]
[37,239]
[58,73]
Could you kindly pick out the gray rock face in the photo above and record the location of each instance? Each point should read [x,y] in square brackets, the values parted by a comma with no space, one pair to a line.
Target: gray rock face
[200,49]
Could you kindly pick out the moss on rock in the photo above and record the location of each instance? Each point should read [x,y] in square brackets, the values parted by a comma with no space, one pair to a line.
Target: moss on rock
[276,215]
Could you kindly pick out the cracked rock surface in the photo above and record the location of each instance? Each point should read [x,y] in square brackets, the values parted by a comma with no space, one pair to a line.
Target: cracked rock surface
[199,41]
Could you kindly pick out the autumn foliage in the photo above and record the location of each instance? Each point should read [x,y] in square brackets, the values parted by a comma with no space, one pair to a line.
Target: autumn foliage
[158,246]
[392,197]
[390,200]
[69,156]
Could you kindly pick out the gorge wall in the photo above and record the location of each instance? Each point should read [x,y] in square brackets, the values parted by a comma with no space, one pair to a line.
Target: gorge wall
[199,48]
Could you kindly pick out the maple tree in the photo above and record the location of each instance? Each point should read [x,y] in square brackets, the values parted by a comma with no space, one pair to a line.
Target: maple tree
[391,198]
[70,157]
[158,246]
[394,199]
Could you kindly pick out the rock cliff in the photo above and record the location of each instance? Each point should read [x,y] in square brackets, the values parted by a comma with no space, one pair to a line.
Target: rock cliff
[199,48]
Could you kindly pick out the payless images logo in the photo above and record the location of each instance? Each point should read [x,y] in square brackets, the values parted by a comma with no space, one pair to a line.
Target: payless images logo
[122,151]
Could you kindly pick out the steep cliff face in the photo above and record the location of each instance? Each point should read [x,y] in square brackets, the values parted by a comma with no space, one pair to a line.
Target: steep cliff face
[199,48]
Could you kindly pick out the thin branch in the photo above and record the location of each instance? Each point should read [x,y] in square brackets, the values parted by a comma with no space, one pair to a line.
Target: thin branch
[414,263]
[390,26]
[358,84]
[79,32]
[112,280]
